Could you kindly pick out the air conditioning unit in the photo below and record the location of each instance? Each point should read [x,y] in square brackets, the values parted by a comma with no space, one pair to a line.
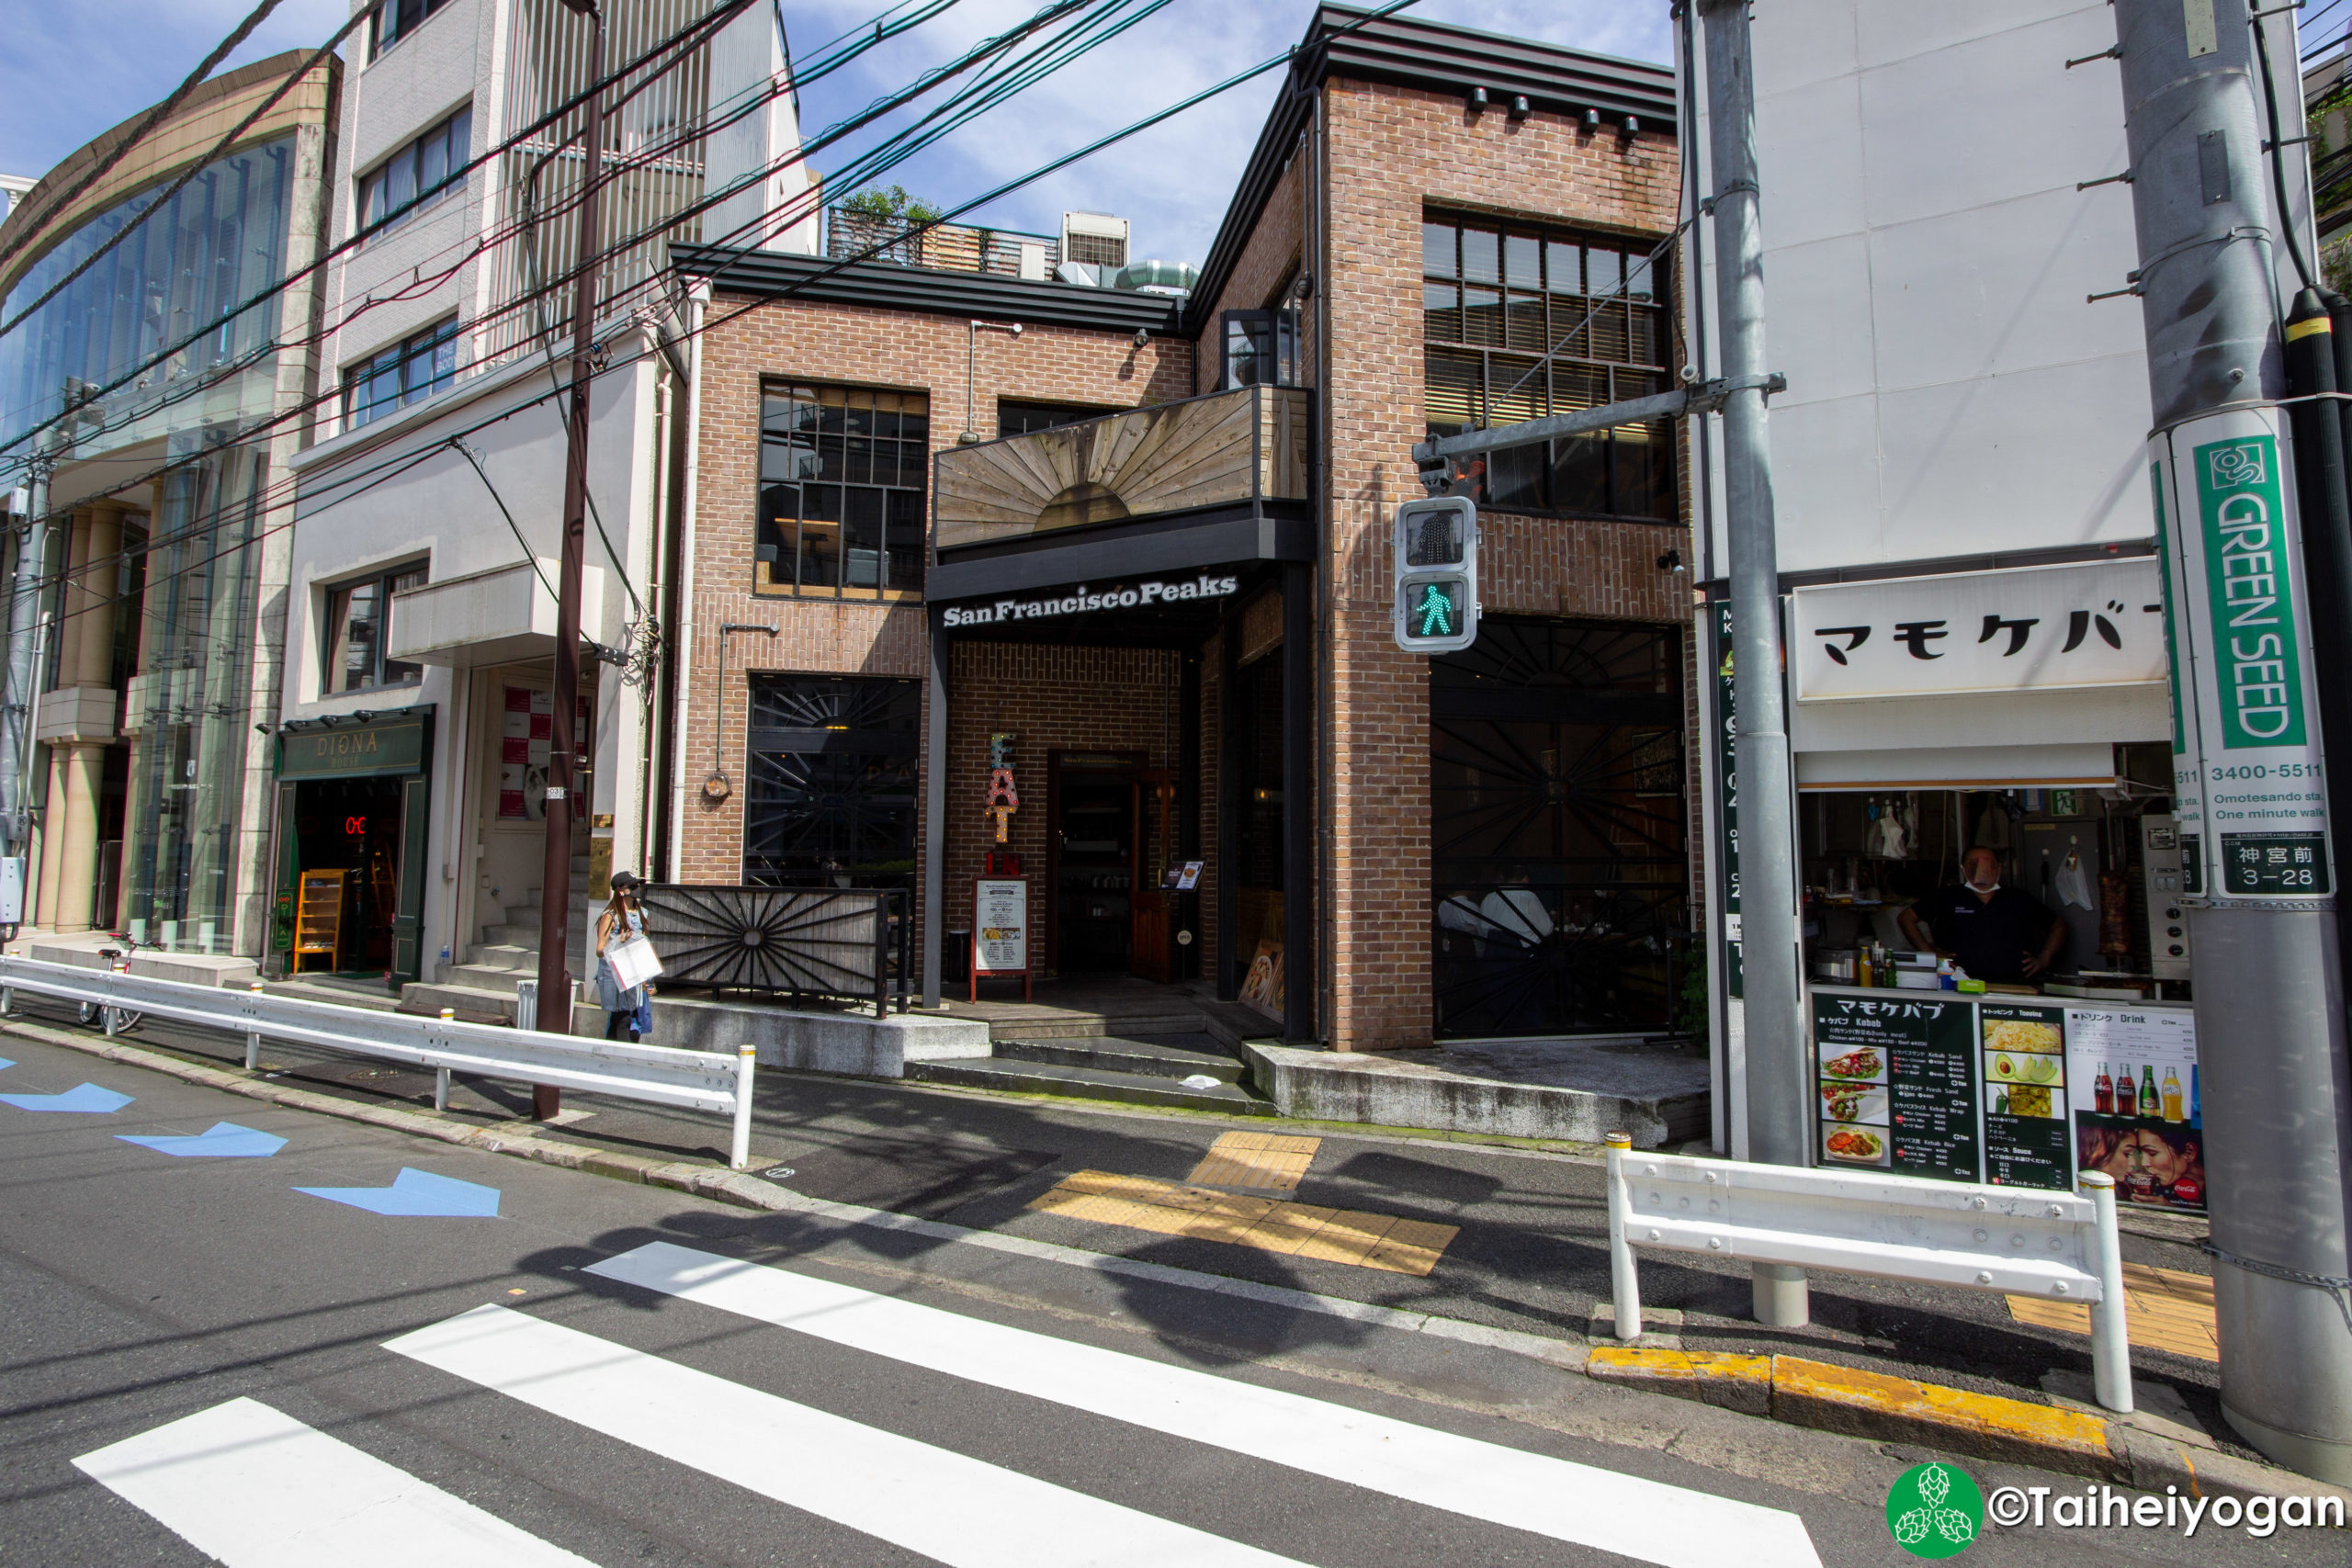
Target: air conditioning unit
[1094,238]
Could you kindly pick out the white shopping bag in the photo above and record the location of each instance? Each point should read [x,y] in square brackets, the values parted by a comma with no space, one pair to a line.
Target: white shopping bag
[634,962]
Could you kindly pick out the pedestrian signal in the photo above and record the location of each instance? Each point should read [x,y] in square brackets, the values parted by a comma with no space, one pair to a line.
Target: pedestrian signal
[1436,555]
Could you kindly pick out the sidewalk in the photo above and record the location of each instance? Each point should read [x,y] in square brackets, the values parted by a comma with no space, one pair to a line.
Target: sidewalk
[1512,1238]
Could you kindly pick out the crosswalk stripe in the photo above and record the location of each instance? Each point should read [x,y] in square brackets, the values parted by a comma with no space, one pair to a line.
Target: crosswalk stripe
[1634,1516]
[961,1511]
[256,1488]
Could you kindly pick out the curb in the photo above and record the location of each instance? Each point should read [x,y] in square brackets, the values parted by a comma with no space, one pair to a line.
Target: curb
[1788,1389]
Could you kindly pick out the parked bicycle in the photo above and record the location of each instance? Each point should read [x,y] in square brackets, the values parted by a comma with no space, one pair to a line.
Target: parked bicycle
[125,1018]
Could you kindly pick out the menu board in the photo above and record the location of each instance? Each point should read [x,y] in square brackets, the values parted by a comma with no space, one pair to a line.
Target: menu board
[1897,1083]
[1001,925]
[2032,1091]
[2026,1131]
[2133,1092]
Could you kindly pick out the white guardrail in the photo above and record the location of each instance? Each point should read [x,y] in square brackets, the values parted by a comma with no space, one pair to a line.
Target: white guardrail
[2053,1245]
[695,1081]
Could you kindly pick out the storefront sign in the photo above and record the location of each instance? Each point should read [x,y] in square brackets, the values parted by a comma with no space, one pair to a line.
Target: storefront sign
[1001,925]
[1084,601]
[2247,793]
[2063,1089]
[356,750]
[2040,628]
[1004,799]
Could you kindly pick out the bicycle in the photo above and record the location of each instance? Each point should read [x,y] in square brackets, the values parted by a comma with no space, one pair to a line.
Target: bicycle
[125,1018]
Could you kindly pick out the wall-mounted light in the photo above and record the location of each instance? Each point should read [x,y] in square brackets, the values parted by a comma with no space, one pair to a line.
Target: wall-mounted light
[1477,100]
[260,729]
[1592,120]
[1519,109]
[363,715]
[1633,125]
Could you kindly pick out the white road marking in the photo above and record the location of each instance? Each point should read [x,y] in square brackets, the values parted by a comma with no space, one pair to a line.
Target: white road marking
[256,1488]
[962,1511]
[1651,1520]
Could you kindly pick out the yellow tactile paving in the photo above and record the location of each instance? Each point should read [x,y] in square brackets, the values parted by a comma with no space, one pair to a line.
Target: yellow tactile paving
[1267,1162]
[1270,1224]
[2164,1309]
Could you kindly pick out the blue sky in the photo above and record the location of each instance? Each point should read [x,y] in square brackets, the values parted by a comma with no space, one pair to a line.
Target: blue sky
[1174,181]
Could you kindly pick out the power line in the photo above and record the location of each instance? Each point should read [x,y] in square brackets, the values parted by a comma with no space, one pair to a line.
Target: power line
[148,122]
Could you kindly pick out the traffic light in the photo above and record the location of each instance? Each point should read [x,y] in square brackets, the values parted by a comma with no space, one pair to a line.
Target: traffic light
[1436,552]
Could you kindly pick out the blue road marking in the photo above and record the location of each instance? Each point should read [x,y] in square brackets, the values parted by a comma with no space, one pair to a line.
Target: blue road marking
[5,1063]
[225,1140]
[89,1097]
[417,1192]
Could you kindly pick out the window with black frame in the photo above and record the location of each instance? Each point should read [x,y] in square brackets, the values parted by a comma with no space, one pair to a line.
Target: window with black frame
[1015,417]
[1260,349]
[358,624]
[414,368]
[1522,322]
[843,473]
[418,175]
[830,796]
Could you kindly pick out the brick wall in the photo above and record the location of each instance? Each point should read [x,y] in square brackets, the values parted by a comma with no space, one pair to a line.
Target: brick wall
[751,341]
[1392,150]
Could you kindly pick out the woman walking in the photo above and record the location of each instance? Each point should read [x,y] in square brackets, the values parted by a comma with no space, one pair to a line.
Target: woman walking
[629,1013]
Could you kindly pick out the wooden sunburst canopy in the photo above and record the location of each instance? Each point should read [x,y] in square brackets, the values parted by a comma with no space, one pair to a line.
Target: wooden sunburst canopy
[1228,447]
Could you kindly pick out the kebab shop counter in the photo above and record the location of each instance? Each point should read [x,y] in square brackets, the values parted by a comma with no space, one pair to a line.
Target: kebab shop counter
[2015,1091]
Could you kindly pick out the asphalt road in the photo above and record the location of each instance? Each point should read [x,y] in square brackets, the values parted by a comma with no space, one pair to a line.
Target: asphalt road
[191,1347]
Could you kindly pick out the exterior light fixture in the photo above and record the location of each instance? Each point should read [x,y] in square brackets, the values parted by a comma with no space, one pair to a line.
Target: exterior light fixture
[1477,100]
[1519,109]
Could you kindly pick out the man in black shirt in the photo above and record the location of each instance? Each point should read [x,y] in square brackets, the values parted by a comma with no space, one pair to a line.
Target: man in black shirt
[1994,932]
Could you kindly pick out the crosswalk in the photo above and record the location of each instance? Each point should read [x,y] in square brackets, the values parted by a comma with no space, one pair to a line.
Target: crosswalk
[256,1489]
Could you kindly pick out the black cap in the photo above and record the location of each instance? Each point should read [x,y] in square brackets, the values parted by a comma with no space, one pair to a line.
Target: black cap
[625,880]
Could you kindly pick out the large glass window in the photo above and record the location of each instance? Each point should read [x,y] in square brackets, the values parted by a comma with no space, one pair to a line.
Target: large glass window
[413,368]
[418,175]
[359,629]
[1521,323]
[830,797]
[843,472]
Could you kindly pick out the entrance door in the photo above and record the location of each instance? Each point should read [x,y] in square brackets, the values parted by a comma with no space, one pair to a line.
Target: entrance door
[355,826]
[1097,867]
[1150,925]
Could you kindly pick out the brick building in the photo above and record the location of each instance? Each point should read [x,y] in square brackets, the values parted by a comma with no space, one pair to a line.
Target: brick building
[1144,537]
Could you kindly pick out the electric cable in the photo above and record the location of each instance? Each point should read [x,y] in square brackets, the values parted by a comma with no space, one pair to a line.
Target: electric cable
[395,465]
[529,555]
[2278,158]
[56,204]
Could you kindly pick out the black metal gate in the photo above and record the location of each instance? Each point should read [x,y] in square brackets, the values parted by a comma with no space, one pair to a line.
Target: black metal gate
[1557,829]
[850,943]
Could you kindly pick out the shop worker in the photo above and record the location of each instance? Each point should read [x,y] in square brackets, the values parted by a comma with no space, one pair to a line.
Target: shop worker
[1994,932]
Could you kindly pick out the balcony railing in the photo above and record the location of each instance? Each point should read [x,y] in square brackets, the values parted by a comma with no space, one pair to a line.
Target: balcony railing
[1228,449]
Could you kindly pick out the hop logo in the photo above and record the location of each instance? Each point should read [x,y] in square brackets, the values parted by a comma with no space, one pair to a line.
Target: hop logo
[1933,1510]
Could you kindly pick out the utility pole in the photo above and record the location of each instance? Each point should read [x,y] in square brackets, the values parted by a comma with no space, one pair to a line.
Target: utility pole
[2263,938]
[555,882]
[24,617]
[1779,1091]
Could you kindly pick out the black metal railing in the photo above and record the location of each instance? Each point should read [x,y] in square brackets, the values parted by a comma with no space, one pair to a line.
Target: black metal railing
[854,943]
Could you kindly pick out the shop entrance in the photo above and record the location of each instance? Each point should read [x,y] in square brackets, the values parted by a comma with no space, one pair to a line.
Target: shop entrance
[347,843]
[1112,836]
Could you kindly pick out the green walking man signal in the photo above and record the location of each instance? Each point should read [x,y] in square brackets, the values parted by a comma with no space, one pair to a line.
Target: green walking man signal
[1435,550]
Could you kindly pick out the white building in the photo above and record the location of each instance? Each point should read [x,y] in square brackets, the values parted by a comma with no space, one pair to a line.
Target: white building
[413,743]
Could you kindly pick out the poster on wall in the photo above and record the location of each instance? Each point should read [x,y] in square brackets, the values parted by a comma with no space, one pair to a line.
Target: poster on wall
[1263,986]
[524,742]
[1896,1084]
[2027,1136]
[2133,1095]
[1001,925]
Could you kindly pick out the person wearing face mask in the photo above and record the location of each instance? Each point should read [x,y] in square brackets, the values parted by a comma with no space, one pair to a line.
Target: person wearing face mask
[1994,932]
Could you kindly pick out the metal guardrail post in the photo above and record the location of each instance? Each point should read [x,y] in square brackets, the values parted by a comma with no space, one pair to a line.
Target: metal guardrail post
[252,1036]
[882,955]
[2110,1338]
[1626,1283]
[746,1064]
[440,1089]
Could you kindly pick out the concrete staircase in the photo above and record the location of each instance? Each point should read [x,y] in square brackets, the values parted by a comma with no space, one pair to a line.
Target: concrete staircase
[481,989]
[1139,1069]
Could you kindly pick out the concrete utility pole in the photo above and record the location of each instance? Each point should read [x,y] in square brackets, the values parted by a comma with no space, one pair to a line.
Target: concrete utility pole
[24,618]
[2263,939]
[555,884]
[1780,1082]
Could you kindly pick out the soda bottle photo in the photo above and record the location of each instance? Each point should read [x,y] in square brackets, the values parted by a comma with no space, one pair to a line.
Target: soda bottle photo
[2149,1104]
[2103,1092]
[2172,1095]
[2125,1092]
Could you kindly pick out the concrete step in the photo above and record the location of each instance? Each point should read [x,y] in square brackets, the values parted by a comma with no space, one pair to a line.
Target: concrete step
[1087,1083]
[476,1004]
[1096,1026]
[369,994]
[521,958]
[1165,1057]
